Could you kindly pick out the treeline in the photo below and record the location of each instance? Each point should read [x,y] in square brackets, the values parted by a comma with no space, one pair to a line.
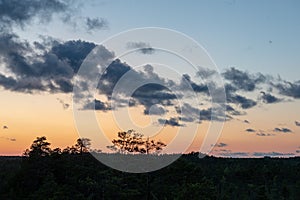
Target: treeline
[41,148]
[72,173]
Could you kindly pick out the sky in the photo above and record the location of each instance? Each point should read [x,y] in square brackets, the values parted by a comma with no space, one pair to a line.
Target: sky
[253,45]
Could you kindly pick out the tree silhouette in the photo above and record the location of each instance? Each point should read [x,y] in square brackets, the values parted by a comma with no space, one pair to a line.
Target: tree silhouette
[83,145]
[153,146]
[128,142]
[132,142]
[40,147]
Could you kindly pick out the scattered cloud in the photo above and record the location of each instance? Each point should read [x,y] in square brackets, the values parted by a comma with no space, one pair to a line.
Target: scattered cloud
[21,13]
[52,71]
[9,139]
[221,144]
[233,111]
[96,23]
[242,101]
[97,105]
[189,113]
[262,134]
[170,122]
[229,153]
[250,130]
[289,89]
[142,47]
[246,121]
[268,98]
[243,80]
[155,110]
[5,127]
[272,154]
[205,73]
[297,123]
[64,105]
[186,79]
[50,66]
[282,130]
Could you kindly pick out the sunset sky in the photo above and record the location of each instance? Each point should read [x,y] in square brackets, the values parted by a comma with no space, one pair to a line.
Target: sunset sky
[254,44]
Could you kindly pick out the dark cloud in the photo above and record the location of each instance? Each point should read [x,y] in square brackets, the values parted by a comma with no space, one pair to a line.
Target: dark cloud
[205,73]
[22,13]
[234,154]
[50,71]
[142,47]
[262,134]
[41,66]
[14,12]
[186,79]
[5,127]
[241,101]
[170,122]
[74,52]
[188,113]
[96,23]
[151,94]
[64,105]
[97,105]
[289,89]
[233,111]
[282,130]
[246,121]
[221,144]
[243,80]
[111,76]
[297,123]
[228,153]
[154,110]
[154,90]
[208,115]
[250,130]
[272,154]
[268,98]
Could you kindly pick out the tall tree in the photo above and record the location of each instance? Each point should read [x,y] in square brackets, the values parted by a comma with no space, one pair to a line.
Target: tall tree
[128,142]
[133,142]
[39,147]
[83,145]
[151,146]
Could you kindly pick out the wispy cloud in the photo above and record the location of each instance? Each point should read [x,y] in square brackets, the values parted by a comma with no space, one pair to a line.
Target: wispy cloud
[272,154]
[9,139]
[64,104]
[170,122]
[262,134]
[221,144]
[96,23]
[282,130]
[143,47]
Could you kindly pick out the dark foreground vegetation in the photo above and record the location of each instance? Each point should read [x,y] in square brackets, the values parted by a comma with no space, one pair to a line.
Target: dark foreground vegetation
[44,173]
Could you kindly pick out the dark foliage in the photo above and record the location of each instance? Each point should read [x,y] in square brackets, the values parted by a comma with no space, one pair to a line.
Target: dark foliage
[64,174]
